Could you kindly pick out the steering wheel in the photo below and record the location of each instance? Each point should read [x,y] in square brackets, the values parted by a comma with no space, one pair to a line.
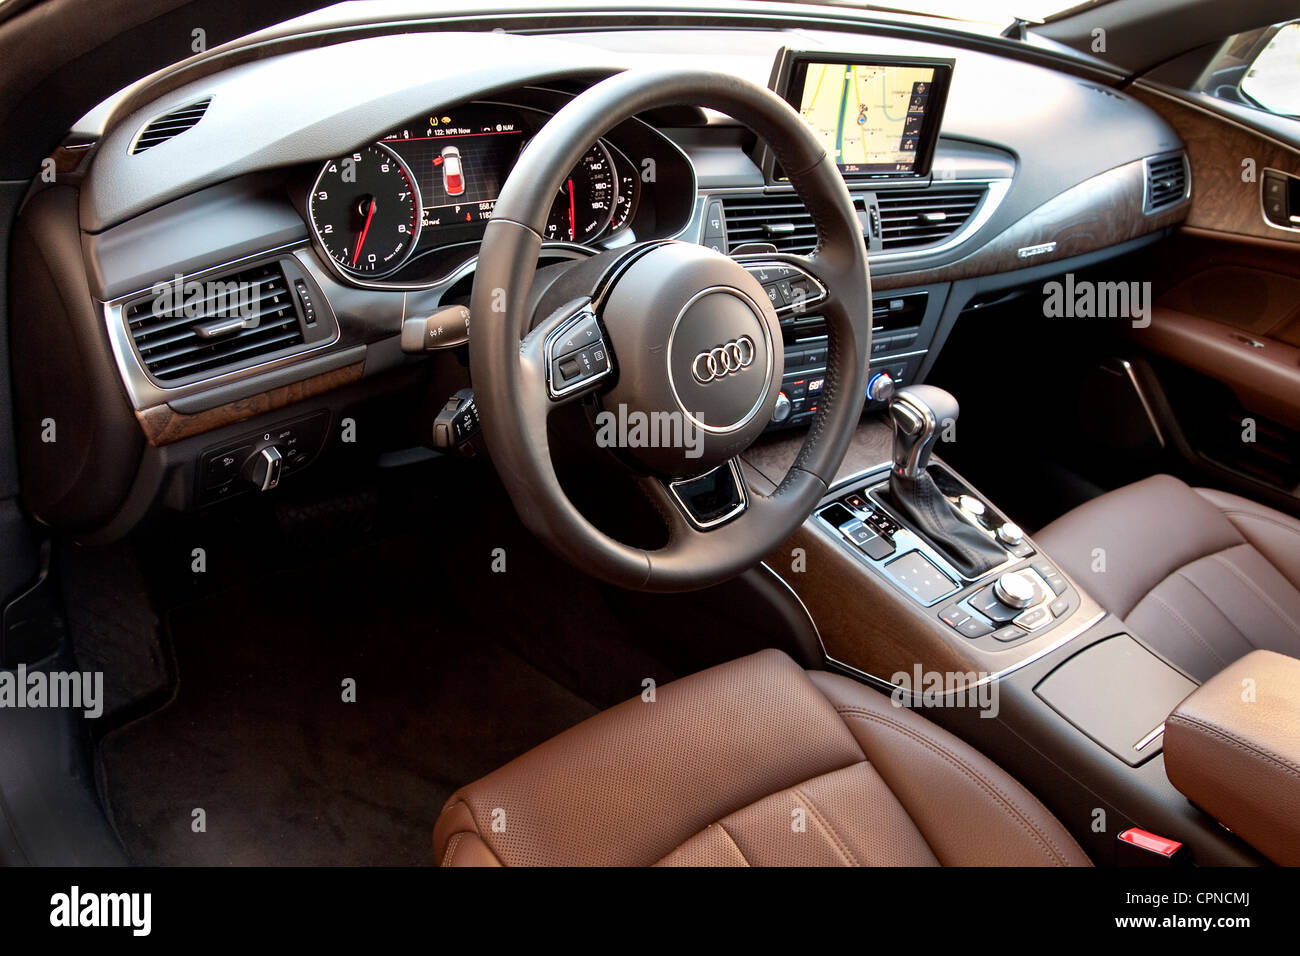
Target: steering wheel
[675,333]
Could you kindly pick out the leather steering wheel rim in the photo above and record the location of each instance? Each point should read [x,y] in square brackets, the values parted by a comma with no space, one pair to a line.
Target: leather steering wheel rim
[509,366]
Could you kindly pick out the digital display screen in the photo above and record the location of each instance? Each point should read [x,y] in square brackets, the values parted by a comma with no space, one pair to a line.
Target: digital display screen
[876,117]
[460,167]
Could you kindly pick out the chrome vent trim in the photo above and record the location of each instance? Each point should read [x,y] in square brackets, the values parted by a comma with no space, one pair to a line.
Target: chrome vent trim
[168,125]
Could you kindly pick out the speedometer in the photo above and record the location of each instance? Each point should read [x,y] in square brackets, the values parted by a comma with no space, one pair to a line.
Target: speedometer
[586,201]
[366,211]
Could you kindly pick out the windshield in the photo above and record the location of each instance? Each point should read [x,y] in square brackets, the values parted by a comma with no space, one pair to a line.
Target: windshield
[998,12]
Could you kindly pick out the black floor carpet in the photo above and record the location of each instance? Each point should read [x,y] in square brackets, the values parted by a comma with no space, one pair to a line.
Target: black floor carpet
[259,738]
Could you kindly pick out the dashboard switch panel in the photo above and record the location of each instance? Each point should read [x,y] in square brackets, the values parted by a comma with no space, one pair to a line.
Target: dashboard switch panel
[260,461]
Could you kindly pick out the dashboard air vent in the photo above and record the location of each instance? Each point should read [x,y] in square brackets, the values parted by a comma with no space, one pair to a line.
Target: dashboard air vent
[1166,181]
[912,218]
[171,124]
[779,219]
[189,328]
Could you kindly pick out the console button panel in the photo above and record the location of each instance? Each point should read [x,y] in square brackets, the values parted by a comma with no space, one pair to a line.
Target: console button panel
[970,608]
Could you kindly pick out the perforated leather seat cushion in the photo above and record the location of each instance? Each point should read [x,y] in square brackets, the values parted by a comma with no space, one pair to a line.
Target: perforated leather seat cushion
[754,762]
[1203,576]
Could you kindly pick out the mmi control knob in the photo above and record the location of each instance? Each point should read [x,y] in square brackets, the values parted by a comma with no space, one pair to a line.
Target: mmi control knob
[1015,590]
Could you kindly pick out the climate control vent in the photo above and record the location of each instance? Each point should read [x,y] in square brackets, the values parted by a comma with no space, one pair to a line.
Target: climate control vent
[1166,181]
[909,218]
[779,219]
[193,327]
[912,218]
[171,124]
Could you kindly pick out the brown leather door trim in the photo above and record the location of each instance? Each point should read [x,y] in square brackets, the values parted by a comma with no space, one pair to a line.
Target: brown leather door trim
[1263,373]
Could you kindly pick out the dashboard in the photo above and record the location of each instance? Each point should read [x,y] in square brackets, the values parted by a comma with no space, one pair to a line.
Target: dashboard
[354,198]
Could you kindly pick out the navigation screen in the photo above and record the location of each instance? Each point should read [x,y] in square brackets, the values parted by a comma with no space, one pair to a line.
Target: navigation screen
[870,116]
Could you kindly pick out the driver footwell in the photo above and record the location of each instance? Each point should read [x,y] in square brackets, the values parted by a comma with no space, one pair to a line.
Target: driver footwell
[261,756]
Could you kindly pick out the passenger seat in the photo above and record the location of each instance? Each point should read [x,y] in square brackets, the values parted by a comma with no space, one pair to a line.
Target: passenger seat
[1202,576]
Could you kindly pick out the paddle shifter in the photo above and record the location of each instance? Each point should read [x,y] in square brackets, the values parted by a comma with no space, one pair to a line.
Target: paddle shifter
[920,414]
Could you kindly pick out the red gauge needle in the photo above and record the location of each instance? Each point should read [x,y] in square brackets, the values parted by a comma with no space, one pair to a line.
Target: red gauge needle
[573,216]
[361,239]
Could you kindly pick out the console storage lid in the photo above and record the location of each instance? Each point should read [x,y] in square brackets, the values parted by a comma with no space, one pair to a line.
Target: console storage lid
[1233,748]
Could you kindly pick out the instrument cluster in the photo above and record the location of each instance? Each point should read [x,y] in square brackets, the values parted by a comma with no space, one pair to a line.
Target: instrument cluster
[432,186]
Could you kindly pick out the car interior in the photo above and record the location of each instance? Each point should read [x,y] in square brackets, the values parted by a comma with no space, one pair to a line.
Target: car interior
[650,432]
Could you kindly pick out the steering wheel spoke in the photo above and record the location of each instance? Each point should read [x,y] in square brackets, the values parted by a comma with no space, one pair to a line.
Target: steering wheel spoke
[702,503]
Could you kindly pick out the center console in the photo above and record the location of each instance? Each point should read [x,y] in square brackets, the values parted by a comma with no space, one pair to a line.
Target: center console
[920,529]
[919,585]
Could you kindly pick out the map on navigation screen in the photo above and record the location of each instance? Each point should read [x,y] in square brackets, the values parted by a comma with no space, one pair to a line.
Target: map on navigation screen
[869,116]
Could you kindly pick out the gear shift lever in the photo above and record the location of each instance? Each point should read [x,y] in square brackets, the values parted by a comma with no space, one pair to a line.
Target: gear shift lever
[918,413]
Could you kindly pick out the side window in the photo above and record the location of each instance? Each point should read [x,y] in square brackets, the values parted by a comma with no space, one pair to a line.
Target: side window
[1273,78]
[1260,69]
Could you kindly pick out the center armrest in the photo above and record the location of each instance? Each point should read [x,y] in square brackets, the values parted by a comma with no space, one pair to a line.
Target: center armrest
[1233,748]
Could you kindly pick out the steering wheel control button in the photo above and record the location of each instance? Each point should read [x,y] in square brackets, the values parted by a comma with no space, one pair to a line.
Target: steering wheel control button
[585,332]
[576,354]
[788,288]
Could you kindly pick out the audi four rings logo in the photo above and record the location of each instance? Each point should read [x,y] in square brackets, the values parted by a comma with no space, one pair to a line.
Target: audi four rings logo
[724,360]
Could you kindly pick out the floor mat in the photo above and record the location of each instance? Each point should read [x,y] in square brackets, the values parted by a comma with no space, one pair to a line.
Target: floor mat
[259,738]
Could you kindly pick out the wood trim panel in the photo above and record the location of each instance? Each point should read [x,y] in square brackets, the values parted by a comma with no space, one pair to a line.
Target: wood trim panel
[1102,211]
[163,425]
[1216,146]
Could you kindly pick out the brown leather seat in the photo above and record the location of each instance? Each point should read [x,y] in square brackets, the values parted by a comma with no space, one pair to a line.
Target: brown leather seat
[1202,576]
[755,762]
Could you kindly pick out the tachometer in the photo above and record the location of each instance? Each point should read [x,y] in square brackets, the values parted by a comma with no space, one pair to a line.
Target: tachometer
[586,201]
[365,210]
